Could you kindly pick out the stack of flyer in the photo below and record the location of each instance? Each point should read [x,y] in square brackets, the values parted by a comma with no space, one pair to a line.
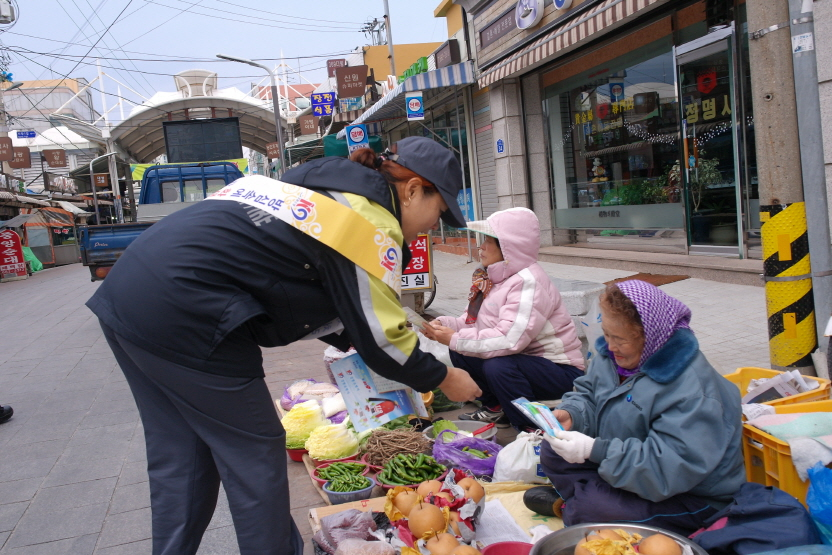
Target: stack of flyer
[538,413]
[780,386]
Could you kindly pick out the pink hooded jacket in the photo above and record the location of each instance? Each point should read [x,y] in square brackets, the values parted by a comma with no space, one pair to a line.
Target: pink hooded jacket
[523,313]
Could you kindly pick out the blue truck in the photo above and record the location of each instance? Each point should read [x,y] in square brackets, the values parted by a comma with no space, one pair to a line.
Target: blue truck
[165,189]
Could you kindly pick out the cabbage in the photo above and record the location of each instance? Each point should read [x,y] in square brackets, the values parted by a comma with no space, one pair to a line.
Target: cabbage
[331,442]
[300,421]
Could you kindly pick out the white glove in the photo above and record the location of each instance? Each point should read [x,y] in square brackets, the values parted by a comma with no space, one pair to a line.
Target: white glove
[574,447]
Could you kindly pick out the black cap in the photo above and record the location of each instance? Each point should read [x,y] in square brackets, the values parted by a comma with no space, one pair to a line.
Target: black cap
[438,165]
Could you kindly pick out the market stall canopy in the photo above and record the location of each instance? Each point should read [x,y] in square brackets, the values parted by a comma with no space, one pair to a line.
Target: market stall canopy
[69,207]
[50,217]
[55,137]
[141,134]
[392,105]
[17,221]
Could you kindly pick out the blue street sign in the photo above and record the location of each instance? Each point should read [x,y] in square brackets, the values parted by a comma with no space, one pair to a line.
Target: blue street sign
[26,134]
[415,106]
[466,203]
[501,147]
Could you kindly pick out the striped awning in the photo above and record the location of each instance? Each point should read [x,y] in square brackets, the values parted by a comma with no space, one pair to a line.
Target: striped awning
[344,117]
[391,105]
[604,17]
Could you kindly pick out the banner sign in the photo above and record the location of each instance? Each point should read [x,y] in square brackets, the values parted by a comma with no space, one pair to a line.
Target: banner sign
[273,150]
[101,180]
[6,152]
[12,263]
[415,106]
[417,275]
[308,125]
[357,137]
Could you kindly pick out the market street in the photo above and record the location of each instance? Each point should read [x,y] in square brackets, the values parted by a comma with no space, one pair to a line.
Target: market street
[73,475]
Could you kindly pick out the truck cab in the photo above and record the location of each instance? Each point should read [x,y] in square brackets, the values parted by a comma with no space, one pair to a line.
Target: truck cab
[168,188]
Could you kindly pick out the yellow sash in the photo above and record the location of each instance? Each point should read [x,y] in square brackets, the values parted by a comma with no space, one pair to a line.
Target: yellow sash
[322,218]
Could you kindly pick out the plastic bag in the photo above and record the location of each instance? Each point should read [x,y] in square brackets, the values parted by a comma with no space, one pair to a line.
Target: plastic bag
[819,500]
[448,449]
[331,354]
[362,547]
[520,461]
[591,323]
[339,527]
[437,349]
[306,390]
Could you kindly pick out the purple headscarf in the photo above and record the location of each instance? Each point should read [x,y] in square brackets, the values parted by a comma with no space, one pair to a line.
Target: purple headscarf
[661,315]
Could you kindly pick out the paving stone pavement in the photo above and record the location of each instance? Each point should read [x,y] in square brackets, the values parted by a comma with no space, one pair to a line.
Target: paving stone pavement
[73,477]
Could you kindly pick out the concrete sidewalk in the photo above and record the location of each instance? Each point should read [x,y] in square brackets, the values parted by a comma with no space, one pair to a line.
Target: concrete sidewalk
[73,477]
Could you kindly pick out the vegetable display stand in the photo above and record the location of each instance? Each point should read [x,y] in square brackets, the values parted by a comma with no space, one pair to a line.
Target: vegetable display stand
[768,460]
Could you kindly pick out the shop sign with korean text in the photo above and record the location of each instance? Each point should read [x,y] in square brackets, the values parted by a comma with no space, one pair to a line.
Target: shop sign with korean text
[415,106]
[308,125]
[323,104]
[332,65]
[22,159]
[101,180]
[417,275]
[352,81]
[55,158]
[357,137]
[6,149]
[12,263]
[273,150]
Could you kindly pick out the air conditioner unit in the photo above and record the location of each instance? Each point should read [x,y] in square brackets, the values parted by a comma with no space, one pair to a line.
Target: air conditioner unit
[6,12]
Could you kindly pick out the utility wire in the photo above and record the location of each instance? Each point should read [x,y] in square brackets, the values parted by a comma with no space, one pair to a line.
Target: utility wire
[107,30]
[286,15]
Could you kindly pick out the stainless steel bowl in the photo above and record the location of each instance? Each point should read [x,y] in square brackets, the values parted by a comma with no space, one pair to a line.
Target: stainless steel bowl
[563,542]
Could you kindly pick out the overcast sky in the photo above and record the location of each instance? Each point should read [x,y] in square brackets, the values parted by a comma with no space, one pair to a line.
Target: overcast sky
[142,43]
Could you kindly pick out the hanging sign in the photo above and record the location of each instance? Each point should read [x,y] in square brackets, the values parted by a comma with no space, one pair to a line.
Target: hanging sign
[352,81]
[12,263]
[29,134]
[332,65]
[357,137]
[415,106]
[562,4]
[323,103]
[616,91]
[273,150]
[6,149]
[55,158]
[308,125]
[22,159]
[101,180]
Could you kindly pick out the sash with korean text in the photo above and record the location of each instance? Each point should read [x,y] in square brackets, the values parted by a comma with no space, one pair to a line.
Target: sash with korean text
[324,219]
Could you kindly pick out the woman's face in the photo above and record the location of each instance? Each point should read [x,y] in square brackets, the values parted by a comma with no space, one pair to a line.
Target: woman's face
[624,339]
[420,211]
[490,252]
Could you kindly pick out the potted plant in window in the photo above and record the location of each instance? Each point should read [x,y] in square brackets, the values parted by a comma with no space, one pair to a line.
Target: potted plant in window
[706,174]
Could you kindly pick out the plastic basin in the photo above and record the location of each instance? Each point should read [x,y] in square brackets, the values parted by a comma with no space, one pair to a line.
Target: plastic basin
[314,473]
[507,548]
[296,454]
[337,497]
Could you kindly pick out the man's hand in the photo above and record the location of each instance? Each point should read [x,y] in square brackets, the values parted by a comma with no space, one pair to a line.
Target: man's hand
[574,447]
[438,332]
[564,418]
[459,387]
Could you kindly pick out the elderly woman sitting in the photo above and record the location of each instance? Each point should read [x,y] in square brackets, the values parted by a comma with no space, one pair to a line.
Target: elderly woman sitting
[654,432]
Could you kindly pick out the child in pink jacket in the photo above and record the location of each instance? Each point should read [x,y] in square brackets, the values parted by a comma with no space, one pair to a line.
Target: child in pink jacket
[516,338]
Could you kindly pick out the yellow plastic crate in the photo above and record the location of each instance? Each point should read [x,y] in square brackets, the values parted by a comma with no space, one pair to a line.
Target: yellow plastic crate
[743,376]
[768,460]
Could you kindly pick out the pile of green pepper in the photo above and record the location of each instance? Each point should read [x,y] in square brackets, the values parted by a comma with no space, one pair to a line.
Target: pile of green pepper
[340,469]
[407,469]
[477,453]
[348,483]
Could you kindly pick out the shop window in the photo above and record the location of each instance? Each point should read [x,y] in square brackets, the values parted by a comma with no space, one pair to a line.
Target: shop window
[63,236]
[614,140]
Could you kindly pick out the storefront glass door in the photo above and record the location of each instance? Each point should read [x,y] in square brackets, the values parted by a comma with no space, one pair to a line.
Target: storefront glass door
[710,156]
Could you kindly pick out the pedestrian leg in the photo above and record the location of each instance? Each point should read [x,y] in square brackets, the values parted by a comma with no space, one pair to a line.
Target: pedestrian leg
[474,367]
[184,482]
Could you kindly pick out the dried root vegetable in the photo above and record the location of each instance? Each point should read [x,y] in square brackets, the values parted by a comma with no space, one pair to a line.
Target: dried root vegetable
[383,445]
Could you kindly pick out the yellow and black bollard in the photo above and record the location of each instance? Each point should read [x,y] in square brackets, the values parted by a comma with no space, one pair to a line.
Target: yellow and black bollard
[788,276]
